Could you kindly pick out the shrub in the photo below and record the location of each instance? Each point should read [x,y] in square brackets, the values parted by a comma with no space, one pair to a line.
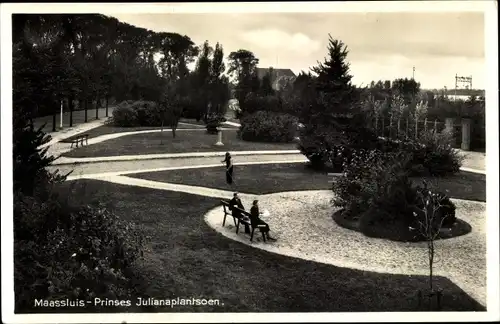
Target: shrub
[141,113]
[321,144]
[255,102]
[377,195]
[147,113]
[431,155]
[268,127]
[436,155]
[75,252]
[63,251]
[124,116]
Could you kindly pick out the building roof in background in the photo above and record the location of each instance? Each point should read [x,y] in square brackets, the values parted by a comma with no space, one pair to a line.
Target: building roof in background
[261,72]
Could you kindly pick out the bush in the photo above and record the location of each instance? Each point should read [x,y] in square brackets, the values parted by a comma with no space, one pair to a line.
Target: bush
[327,145]
[139,113]
[63,251]
[124,116]
[255,102]
[431,155]
[75,252]
[267,126]
[378,198]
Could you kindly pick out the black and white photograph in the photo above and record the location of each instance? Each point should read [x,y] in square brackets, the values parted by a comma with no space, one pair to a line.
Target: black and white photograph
[249,162]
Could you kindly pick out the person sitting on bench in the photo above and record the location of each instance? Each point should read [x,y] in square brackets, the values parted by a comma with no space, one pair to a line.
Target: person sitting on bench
[256,221]
[236,202]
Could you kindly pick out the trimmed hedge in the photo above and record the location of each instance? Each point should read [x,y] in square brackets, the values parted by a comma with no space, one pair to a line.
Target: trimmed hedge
[266,126]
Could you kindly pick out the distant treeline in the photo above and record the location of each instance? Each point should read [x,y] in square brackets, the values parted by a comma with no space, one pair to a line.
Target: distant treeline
[459,92]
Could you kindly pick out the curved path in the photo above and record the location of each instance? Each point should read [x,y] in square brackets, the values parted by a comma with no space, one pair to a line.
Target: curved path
[311,234]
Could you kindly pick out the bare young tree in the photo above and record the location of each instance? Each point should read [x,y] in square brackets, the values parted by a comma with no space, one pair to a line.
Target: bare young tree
[429,220]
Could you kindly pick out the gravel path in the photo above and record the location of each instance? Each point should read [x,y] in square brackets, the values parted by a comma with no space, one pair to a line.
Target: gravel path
[304,227]
[96,169]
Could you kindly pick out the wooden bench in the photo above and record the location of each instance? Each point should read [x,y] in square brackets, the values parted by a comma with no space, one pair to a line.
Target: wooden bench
[243,219]
[227,211]
[79,139]
[246,220]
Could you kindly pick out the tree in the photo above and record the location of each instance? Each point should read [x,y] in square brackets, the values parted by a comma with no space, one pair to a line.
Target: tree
[266,87]
[407,88]
[219,83]
[430,217]
[335,117]
[243,66]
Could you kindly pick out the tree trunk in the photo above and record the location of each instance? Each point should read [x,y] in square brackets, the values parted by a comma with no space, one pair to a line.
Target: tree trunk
[416,128]
[70,104]
[86,103]
[390,128]
[54,122]
[161,132]
[97,108]
[431,264]
[107,103]
[376,125]
[174,128]
[399,127]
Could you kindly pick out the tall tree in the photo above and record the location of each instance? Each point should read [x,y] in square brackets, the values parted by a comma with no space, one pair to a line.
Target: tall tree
[266,86]
[243,66]
[219,83]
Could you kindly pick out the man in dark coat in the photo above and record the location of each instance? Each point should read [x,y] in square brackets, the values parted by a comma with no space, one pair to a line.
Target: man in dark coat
[257,222]
[229,168]
[236,202]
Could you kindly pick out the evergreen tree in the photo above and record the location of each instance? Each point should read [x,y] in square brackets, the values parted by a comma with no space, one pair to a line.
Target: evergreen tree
[266,87]
[334,118]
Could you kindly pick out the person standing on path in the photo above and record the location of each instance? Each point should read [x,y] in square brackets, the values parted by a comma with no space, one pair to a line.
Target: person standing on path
[229,168]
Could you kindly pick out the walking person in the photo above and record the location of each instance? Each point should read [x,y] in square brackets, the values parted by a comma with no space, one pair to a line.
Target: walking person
[229,168]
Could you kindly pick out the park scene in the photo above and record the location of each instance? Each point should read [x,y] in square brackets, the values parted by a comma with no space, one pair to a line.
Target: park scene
[148,166]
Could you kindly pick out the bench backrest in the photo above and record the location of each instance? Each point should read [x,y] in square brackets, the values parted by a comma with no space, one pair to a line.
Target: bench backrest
[244,213]
[225,205]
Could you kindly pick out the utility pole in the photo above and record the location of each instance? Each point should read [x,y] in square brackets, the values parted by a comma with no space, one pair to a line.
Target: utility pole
[413,74]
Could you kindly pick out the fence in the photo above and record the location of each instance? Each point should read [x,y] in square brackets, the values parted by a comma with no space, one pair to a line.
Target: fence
[466,133]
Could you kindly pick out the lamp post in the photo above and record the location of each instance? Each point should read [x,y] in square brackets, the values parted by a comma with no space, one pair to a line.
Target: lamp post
[61,121]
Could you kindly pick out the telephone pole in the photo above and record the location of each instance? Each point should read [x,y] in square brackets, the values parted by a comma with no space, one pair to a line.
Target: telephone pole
[413,74]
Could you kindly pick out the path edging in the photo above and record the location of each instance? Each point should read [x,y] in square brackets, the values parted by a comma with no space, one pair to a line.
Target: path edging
[76,161]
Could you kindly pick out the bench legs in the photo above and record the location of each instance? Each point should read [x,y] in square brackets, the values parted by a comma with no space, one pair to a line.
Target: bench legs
[238,227]
[251,235]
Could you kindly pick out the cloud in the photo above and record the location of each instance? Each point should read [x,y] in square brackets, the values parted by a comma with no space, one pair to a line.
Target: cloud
[278,40]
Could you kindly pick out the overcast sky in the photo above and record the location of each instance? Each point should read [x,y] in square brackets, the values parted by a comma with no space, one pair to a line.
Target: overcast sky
[381,45]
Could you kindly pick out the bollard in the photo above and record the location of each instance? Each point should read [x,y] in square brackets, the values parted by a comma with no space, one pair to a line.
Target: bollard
[466,125]
[219,138]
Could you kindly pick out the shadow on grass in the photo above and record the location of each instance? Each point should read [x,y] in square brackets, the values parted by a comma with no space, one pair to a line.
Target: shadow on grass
[187,259]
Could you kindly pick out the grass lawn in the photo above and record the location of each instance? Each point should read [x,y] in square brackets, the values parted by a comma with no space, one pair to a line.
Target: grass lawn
[109,129]
[187,258]
[268,178]
[185,141]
